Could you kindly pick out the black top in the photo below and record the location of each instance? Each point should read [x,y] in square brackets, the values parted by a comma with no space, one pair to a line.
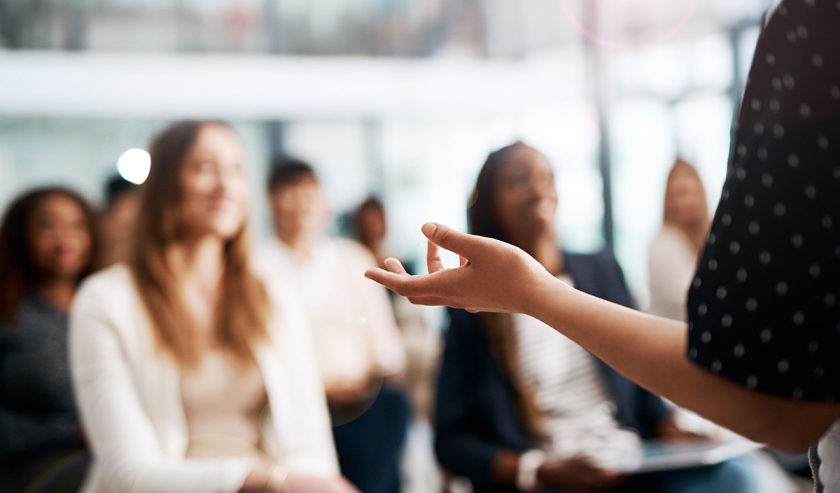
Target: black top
[37,409]
[764,308]
[476,415]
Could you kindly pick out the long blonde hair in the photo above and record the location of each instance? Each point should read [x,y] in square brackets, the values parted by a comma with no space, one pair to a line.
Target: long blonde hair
[697,233]
[244,312]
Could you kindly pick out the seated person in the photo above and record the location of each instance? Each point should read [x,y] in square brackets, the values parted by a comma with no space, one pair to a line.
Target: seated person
[522,408]
[116,222]
[46,248]
[359,348]
[191,373]
[422,342]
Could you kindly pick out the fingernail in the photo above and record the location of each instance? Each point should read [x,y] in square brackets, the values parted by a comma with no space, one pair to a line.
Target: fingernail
[428,229]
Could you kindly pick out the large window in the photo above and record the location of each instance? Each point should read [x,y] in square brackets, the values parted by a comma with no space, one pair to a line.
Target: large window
[660,78]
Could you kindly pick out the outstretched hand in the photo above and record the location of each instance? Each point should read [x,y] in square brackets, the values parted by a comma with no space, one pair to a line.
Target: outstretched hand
[493,276]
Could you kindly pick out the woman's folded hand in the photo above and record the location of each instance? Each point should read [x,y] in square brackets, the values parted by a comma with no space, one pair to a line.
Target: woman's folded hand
[577,474]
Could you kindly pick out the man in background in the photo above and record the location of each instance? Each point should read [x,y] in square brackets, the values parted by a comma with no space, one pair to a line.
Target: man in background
[360,351]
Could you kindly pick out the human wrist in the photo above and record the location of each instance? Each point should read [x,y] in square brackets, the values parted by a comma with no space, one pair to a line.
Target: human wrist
[541,295]
[527,474]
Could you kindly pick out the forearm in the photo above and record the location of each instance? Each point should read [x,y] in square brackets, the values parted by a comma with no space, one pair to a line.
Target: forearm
[657,361]
[495,276]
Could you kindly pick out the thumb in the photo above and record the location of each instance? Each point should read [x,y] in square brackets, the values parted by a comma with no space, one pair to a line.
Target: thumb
[449,239]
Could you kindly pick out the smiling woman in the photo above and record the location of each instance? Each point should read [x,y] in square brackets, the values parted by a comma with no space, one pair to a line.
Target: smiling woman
[194,192]
[191,373]
[46,248]
[551,413]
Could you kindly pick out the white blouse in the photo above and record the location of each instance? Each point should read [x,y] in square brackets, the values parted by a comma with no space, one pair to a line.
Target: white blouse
[828,450]
[351,317]
[671,266]
[129,397]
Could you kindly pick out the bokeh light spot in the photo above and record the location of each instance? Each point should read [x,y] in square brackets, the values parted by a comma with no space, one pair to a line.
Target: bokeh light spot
[134,165]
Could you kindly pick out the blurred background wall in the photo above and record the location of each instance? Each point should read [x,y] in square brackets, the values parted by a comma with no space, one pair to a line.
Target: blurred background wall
[400,98]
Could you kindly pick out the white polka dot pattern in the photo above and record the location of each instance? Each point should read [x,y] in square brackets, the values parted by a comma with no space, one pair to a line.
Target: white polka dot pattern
[763,305]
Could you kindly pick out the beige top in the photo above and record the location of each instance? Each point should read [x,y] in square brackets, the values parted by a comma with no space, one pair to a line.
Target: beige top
[223,402]
[671,266]
[351,317]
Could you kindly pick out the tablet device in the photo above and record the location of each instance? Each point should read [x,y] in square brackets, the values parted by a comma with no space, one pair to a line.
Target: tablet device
[658,455]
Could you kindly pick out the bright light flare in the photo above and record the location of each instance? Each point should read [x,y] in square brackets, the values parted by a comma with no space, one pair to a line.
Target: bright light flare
[134,165]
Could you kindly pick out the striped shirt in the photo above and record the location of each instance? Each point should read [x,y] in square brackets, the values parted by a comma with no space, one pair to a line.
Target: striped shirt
[576,407]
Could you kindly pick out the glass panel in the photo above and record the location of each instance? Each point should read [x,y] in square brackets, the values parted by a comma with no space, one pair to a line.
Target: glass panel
[570,139]
[82,154]
[643,149]
[703,121]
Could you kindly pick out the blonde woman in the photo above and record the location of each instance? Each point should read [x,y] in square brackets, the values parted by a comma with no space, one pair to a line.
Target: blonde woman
[676,248]
[191,374]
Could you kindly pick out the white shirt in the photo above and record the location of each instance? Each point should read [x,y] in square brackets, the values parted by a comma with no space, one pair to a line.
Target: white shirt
[351,317]
[671,267]
[577,409]
[129,397]
[829,451]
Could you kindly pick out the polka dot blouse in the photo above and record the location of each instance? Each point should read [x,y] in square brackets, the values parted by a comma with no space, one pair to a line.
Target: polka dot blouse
[764,307]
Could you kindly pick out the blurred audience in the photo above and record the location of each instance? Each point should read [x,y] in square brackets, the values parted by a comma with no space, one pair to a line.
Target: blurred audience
[116,224]
[47,246]
[522,408]
[422,342]
[360,351]
[191,373]
[676,248]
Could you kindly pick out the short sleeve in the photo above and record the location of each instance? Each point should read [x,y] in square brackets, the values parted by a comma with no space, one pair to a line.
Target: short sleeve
[763,307]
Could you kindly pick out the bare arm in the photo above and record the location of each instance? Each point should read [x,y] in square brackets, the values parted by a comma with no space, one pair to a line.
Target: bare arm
[651,351]
[495,276]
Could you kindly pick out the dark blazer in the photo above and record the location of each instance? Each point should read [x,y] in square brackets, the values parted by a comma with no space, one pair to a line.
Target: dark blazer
[476,414]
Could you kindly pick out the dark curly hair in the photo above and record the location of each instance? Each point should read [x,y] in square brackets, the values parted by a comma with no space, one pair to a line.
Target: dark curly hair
[19,276]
